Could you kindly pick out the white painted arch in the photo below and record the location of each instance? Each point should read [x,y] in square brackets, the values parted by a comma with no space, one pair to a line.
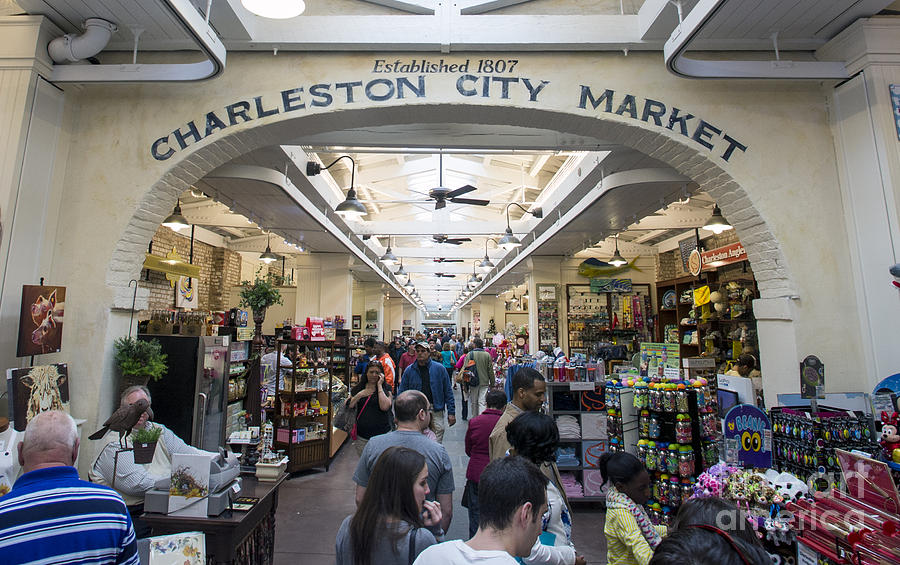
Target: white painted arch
[764,251]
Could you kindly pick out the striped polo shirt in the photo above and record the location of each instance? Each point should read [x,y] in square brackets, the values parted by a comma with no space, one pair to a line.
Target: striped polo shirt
[51,516]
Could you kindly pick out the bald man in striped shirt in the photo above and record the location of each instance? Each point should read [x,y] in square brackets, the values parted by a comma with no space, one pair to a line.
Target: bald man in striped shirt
[50,515]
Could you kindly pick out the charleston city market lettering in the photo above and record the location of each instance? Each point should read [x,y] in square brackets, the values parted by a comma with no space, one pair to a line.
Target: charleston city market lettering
[326,95]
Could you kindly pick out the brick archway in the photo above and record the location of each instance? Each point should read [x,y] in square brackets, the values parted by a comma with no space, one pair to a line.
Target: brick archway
[763,250]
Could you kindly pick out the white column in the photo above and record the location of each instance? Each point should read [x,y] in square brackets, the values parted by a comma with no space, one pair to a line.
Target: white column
[866,140]
[31,155]
[335,285]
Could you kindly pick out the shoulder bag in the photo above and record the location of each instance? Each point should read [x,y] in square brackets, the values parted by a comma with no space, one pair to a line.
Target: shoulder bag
[412,545]
[353,434]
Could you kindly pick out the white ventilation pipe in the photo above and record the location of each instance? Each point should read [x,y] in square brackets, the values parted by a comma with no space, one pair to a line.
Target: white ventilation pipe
[72,48]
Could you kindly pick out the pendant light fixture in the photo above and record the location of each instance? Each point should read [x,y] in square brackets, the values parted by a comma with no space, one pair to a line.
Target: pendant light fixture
[351,208]
[267,256]
[617,259]
[409,286]
[485,265]
[509,241]
[176,222]
[717,222]
[389,258]
[275,9]
[401,273]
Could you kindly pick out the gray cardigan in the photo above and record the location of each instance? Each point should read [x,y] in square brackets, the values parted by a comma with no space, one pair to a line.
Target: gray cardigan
[383,553]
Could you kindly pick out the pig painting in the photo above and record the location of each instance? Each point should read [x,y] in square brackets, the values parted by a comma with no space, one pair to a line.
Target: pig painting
[40,322]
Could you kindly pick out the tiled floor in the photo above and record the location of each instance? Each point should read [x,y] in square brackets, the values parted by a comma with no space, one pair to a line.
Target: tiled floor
[313,504]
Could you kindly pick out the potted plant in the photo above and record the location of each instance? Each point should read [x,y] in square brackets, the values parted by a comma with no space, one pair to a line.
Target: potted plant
[139,360]
[144,442]
[258,296]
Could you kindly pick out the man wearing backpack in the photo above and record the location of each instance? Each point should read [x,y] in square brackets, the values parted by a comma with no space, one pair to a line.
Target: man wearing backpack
[484,367]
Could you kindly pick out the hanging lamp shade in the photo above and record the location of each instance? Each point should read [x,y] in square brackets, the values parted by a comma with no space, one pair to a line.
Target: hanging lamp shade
[267,255]
[351,208]
[509,241]
[617,259]
[275,9]
[717,222]
[473,281]
[175,221]
[409,286]
[389,258]
[401,274]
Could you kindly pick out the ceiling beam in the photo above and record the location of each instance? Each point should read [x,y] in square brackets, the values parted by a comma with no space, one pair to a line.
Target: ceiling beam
[481,228]
[411,7]
[484,6]
[466,33]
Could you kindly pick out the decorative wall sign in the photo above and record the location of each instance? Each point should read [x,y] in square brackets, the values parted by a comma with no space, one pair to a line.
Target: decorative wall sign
[812,378]
[724,255]
[357,322]
[547,292]
[610,285]
[695,262]
[33,390]
[186,295]
[748,437]
[372,315]
[41,320]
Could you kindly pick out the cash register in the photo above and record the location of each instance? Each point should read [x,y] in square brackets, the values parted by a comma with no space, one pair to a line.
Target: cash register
[223,487]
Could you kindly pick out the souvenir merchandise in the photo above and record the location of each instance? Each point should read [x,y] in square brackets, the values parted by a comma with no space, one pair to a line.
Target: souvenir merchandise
[762,498]
[804,442]
[858,525]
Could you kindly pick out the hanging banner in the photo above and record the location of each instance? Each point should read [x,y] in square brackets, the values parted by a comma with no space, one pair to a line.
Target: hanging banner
[725,255]
[748,437]
[610,285]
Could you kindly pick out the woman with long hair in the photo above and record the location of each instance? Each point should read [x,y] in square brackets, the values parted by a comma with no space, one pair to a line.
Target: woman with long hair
[535,437]
[390,526]
[371,399]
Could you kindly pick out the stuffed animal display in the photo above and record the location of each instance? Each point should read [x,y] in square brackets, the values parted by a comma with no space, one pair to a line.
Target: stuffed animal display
[890,439]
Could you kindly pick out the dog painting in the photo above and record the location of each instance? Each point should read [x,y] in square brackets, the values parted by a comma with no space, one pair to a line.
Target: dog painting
[41,319]
[33,390]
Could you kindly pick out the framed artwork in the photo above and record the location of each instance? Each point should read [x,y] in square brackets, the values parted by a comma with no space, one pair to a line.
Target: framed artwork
[357,322]
[41,320]
[33,390]
[355,334]
[371,315]
[395,333]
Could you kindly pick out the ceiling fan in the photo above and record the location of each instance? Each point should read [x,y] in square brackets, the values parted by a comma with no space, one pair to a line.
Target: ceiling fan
[441,194]
[442,238]
[442,275]
[442,260]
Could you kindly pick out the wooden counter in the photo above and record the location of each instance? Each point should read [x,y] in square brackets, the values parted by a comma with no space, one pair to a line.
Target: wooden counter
[232,537]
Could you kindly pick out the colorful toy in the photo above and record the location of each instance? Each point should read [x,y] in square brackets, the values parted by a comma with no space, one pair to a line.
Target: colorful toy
[890,440]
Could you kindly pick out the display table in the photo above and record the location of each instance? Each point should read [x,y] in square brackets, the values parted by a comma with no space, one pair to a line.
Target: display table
[232,537]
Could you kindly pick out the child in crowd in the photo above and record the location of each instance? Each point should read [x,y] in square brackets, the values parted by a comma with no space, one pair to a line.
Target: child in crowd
[630,535]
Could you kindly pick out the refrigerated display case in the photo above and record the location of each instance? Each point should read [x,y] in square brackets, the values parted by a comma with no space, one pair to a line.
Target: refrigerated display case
[191,398]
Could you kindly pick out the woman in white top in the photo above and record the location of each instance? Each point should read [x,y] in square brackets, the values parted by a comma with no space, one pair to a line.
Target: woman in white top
[535,437]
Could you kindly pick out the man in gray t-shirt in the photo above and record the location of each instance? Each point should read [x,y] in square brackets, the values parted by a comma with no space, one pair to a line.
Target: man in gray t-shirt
[412,411]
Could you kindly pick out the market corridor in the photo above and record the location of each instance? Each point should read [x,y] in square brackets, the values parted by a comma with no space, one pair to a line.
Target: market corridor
[312,505]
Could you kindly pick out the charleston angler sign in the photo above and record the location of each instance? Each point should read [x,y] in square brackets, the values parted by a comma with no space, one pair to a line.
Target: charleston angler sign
[475,78]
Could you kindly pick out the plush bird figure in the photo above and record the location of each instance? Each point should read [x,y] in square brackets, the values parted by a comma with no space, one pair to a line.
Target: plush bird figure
[123,419]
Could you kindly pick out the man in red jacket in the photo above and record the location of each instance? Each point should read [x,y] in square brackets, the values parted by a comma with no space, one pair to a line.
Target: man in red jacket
[478,438]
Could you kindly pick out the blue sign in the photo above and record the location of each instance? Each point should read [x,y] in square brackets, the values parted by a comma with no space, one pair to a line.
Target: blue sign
[748,437]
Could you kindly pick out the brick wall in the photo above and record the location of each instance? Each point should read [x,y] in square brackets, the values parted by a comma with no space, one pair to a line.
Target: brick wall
[220,269]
